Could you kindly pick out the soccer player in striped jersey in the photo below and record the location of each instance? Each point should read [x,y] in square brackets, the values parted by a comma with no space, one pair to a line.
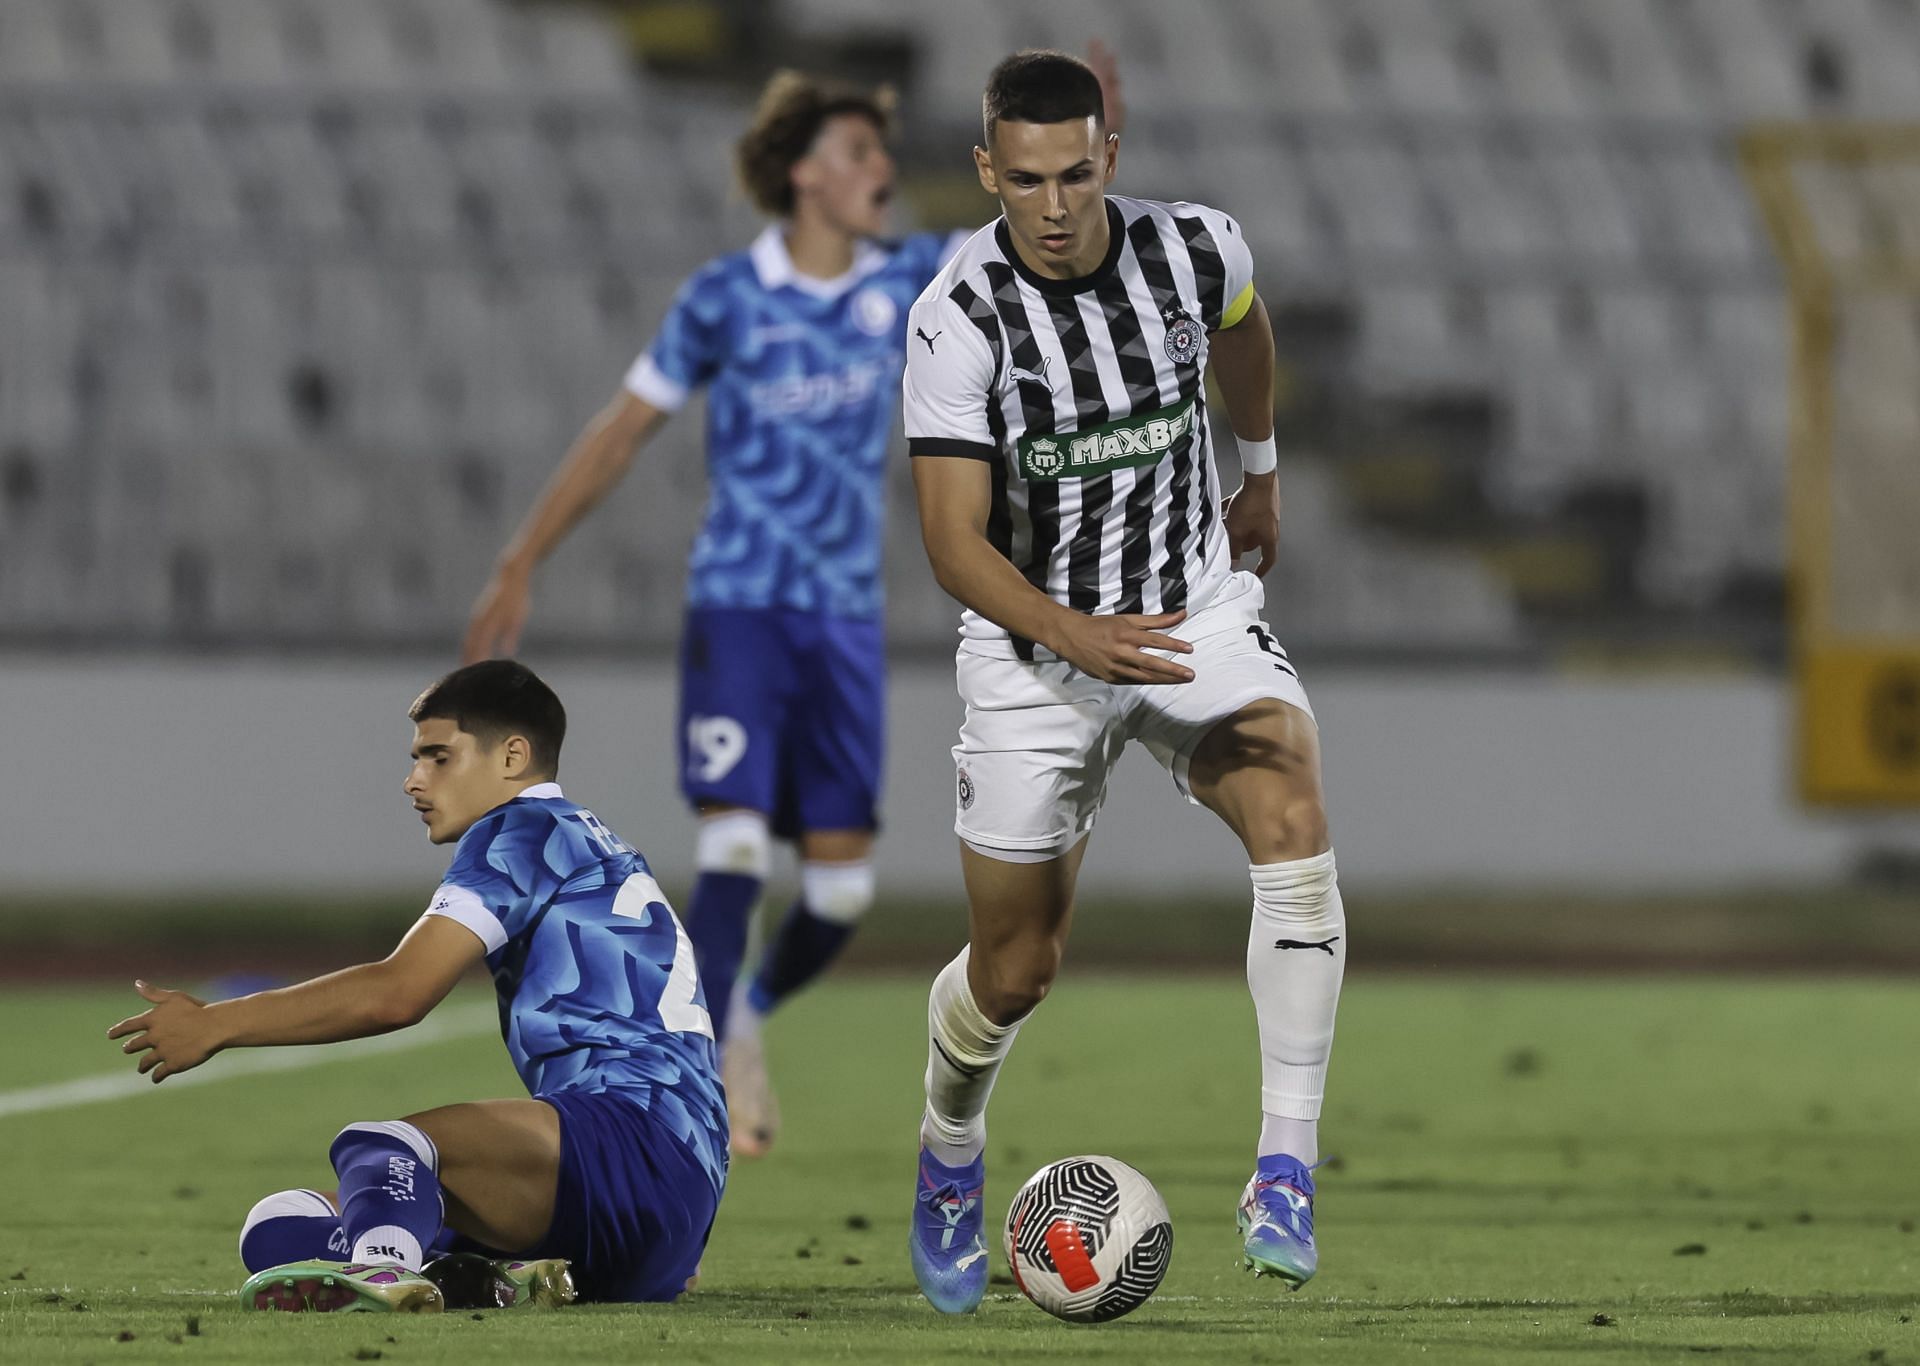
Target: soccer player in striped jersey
[1063,455]
[798,341]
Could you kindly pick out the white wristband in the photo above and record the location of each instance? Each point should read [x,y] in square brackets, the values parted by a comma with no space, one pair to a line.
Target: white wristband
[1257,457]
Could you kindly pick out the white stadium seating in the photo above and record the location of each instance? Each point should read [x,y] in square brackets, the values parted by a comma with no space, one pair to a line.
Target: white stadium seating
[300,299]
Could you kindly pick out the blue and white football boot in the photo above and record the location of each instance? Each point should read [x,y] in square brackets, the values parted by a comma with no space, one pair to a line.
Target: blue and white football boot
[1276,1221]
[947,1244]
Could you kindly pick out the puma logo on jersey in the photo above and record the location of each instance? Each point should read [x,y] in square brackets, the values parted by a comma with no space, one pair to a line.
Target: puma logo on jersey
[1326,944]
[921,333]
[1019,376]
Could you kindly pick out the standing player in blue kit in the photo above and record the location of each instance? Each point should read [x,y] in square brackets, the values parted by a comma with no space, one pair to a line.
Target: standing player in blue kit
[799,341]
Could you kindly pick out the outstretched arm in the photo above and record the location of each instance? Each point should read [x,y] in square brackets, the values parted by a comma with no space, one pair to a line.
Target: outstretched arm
[178,1031]
[1240,359]
[598,459]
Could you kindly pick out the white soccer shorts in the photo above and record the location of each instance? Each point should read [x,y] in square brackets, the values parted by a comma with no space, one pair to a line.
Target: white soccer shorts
[1040,739]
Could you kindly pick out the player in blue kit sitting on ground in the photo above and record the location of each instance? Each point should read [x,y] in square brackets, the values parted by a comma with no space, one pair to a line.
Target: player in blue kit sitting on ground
[617,1163]
[799,342]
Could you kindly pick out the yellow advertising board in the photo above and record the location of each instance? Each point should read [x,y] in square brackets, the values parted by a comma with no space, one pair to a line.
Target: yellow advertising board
[1842,202]
[1859,724]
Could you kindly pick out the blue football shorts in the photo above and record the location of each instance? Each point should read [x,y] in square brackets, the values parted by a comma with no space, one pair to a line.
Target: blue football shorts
[634,1204]
[784,713]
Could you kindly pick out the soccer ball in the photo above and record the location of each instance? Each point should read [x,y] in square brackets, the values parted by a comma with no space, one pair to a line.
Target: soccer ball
[1088,1239]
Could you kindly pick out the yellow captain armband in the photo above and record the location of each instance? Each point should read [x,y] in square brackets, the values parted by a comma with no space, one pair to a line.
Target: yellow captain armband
[1238,308]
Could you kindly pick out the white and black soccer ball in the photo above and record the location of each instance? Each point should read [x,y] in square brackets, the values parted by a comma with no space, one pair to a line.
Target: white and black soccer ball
[1088,1239]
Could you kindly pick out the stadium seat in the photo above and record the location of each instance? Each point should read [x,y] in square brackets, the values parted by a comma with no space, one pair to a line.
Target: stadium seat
[426,237]
[1531,77]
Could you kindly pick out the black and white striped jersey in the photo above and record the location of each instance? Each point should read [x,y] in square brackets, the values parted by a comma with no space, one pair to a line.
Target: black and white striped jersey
[1086,397]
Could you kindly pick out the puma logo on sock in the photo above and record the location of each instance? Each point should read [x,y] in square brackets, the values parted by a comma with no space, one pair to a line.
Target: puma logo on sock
[1326,944]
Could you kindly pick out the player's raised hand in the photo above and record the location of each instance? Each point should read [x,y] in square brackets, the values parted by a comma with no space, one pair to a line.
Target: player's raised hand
[1114,649]
[173,1032]
[499,615]
[1252,516]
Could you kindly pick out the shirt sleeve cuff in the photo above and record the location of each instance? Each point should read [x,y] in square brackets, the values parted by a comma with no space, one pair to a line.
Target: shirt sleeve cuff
[465,907]
[646,381]
[942,445]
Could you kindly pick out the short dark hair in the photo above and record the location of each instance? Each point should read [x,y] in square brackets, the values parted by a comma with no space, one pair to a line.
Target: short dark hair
[497,698]
[1041,86]
[793,109]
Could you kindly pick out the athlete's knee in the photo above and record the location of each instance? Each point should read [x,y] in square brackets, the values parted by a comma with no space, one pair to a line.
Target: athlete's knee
[734,841]
[381,1136]
[1012,981]
[836,846]
[838,892]
[1294,827]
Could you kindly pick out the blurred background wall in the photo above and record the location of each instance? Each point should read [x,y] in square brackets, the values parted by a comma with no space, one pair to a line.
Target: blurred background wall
[300,301]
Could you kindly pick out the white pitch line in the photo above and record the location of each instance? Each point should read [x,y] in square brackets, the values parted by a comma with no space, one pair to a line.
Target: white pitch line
[119,1085]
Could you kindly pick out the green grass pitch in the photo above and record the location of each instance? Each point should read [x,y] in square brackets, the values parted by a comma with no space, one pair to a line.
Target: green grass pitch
[1610,1171]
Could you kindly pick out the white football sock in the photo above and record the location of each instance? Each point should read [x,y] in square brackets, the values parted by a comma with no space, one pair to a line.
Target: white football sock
[389,1244]
[1296,953]
[963,1057]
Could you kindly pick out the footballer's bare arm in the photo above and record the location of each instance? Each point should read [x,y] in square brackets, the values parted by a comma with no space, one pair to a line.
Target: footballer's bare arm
[1240,359]
[598,459]
[178,1031]
[955,495]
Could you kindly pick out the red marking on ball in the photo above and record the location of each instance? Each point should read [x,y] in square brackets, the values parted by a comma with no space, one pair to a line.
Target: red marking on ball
[1070,1255]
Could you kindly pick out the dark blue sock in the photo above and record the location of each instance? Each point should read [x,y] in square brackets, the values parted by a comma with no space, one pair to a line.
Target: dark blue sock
[717,919]
[390,1201]
[798,952]
[292,1226]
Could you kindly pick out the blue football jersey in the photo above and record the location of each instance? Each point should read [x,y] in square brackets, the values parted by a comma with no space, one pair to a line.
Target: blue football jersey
[595,976]
[802,376]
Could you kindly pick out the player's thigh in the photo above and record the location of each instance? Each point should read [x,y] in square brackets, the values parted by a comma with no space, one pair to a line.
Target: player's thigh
[1019,915]
[1240,739]
[1034,753]
[835,746]
[736,681]
[1259,771]
[499,1168]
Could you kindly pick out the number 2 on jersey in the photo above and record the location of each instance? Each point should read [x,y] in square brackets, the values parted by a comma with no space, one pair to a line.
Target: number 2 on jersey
[678,1010]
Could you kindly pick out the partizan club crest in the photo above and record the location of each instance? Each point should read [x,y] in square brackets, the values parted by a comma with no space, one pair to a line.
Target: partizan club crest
[966,790]
[1184,335]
